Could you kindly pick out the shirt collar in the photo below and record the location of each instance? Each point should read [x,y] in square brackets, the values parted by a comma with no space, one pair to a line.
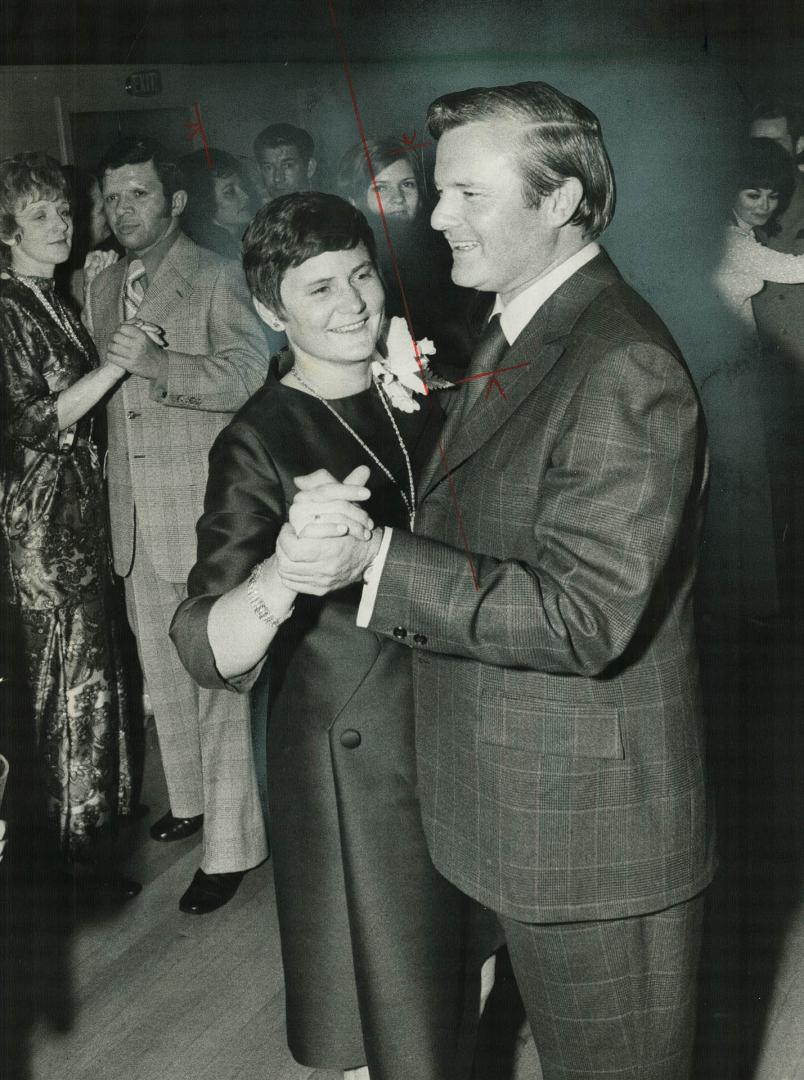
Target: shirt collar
[516,315]
[152,258]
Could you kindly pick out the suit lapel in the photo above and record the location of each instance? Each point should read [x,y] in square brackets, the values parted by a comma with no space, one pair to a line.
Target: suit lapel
[537,349]
[171,283]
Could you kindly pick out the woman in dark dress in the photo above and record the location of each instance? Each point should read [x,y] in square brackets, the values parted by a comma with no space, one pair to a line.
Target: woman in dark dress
[374,941]
[53,550]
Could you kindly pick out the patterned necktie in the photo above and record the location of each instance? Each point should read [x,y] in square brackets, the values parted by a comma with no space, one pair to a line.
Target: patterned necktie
[488,352]
[135,288]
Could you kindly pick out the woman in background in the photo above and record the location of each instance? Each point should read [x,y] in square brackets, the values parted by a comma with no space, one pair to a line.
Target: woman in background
[54,568]
[220,200]
[395,181]
[374,940]
[94,247]
[739,566]
[763,185]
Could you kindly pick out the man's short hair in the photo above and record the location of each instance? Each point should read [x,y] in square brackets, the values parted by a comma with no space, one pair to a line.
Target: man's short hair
[284,135]
[293,228]
[137,150]
[560,139]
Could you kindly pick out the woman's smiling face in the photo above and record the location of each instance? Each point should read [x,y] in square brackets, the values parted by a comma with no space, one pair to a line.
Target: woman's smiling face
[333,306]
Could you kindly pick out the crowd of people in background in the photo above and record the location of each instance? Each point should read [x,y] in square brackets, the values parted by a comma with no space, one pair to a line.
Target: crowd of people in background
[130,335]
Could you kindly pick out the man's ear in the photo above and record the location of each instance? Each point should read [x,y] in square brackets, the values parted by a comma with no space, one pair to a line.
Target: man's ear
[312,165]
[565,200]
[270,318]
[178,203]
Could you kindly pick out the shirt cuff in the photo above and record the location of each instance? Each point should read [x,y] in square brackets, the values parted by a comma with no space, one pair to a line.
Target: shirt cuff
[371,580]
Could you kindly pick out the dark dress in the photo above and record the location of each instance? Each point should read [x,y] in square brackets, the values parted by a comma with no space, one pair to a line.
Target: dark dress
[54,572]
[373,938]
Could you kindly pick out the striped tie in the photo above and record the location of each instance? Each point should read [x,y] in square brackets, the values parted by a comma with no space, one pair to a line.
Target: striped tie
[135,288]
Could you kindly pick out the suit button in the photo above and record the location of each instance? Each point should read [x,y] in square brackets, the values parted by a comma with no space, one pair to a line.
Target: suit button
[131,415]
[400,632]
[419,639]
[350,739]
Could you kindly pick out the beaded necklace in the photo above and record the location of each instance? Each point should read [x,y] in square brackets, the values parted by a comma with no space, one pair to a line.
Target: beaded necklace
[410,502]
[59,320]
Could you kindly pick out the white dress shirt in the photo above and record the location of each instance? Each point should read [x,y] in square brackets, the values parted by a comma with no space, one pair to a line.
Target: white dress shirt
[514,317]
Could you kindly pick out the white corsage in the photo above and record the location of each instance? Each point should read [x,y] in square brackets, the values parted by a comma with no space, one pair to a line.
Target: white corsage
[403,373]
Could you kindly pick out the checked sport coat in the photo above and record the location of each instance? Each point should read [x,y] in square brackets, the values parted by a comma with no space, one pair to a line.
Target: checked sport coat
[547,597]
[160,431]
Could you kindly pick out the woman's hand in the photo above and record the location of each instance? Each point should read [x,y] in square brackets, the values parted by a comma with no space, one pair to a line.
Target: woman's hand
[322,501]
[97,261]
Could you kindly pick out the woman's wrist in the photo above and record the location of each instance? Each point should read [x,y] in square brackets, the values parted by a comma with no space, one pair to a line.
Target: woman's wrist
[270,599]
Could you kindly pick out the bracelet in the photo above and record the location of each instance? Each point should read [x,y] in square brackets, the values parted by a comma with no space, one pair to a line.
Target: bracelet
[258,605]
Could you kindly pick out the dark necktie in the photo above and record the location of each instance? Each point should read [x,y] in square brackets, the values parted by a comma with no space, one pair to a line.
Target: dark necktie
[488,352]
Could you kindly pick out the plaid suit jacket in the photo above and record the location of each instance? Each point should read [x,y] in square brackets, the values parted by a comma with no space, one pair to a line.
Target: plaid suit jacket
[160,431]
[559,728]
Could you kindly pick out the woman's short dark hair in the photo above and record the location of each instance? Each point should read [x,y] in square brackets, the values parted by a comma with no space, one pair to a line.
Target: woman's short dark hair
[764,164]
[25,178]
[198,180]
[559,139]
[294,228]
[138,150]
[355,176]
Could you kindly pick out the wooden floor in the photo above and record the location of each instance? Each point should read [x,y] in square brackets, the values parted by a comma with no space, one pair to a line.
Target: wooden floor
[150,994]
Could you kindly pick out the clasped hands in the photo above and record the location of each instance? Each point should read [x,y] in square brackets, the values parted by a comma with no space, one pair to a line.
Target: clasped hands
[328,540]
[137,347]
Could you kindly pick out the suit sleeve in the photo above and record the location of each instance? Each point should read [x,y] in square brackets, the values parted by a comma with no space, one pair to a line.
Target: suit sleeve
[244,509]
[238,359]
[623,484]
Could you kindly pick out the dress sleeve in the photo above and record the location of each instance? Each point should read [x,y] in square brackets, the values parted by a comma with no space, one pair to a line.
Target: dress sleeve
[244,509]
[28,407]
[773,265]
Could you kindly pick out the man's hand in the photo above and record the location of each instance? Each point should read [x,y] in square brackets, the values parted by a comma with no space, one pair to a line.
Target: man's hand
[319,566]
[133,349]
[322,499]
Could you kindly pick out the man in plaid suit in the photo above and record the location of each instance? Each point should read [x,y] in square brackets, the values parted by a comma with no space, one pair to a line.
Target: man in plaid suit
[178,318]
[546,597]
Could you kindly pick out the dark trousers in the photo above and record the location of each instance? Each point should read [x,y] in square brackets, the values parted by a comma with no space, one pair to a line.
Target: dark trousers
[614,998]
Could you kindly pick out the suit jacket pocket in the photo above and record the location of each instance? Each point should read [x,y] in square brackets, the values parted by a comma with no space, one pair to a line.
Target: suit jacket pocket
[551,727]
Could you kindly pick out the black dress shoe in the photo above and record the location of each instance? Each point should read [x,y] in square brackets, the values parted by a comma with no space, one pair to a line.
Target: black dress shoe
[175,828]
[117,889]
[98,890]
[208,892]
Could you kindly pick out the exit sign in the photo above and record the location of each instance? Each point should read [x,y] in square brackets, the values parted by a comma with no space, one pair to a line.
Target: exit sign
[144,84]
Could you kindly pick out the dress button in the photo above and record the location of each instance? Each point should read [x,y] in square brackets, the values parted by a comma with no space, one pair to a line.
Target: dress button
[419,639]
[350,739]
[400,632]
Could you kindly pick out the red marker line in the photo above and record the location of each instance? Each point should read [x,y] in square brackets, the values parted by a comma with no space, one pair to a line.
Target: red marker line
[490,374]
[356,108]
[456,508]
[197,128]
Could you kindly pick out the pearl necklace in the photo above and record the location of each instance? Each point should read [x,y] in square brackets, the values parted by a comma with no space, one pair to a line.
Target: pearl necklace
[410,503]
[59,320]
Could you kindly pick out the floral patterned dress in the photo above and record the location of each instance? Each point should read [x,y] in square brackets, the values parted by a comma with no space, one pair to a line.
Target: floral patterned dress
[54,569]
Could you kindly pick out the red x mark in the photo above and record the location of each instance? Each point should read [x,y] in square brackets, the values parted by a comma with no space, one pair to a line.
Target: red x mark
[196,127]
[411,144]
